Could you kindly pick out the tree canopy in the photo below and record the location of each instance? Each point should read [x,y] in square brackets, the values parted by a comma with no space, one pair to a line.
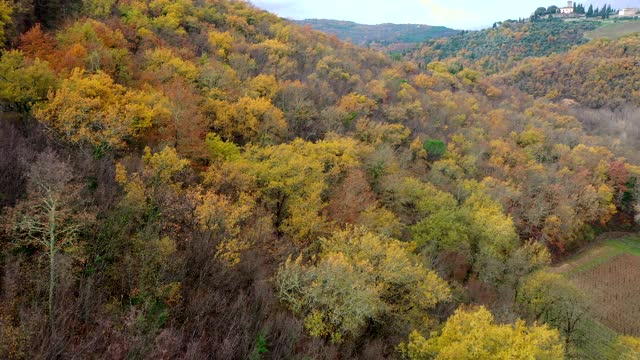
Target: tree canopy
[228,184]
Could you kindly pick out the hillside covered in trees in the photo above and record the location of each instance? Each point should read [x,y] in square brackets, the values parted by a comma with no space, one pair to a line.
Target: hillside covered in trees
[200,179]
[506,43]
[601,73]
[381,34]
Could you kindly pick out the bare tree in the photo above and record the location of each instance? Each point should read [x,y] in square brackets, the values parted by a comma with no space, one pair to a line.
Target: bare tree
[48,218]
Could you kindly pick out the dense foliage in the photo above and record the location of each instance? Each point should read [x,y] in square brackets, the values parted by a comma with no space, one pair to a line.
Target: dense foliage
[382,34]
[601,73]
[459,340]
[202,179]
[507,43]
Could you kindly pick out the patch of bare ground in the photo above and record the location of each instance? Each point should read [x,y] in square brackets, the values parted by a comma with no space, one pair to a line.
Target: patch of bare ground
[613,290]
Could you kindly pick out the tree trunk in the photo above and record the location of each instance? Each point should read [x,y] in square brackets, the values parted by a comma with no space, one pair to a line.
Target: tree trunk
[52,269]
[52,289]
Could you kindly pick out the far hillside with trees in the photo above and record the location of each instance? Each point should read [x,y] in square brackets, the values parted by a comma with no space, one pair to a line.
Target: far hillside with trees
[382,34]
[506,43]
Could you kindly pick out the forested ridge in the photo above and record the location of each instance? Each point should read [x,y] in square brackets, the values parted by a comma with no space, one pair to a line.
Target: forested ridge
[506,43]
[380,34]
[202,179]
[603,73]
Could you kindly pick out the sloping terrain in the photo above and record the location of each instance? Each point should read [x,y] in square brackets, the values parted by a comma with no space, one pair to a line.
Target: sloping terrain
[603,73]
[614,30]
[202,179]
[506,44]
[607,274]
[381,34]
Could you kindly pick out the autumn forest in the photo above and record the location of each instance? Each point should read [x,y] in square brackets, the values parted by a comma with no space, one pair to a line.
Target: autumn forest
[201,179]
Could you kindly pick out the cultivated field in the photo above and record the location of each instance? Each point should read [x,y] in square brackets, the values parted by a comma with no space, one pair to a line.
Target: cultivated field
[609,274]
[614,293]
[614,30]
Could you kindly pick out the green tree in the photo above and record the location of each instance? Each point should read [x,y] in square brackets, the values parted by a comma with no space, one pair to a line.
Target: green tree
[220,149]
[540,11]
[98,8]
[552,299]
[532,256]
[477,230]
[435,148]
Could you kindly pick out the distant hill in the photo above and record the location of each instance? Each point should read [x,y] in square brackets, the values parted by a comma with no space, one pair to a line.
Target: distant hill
[598,74]
[504,46]
[384,34]
[204,179]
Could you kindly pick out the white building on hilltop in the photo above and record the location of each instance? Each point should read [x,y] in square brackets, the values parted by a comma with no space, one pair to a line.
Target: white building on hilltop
[567,10]
[629,12]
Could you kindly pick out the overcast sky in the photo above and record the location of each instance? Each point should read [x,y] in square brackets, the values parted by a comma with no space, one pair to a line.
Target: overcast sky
[459,14]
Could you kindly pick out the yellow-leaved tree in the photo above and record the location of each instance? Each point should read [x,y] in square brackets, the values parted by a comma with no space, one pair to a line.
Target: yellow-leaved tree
[93,109]
[222,218]
[626,348]
[98,8]
[5,19]
[471,335]
[164,65]
[24,82]
[171,16]
[221,42]
[289,180]
[359,277]
[248,120]
[154,197]
[262,86]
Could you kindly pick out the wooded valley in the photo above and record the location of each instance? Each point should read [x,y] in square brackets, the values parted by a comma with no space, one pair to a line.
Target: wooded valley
[201,179]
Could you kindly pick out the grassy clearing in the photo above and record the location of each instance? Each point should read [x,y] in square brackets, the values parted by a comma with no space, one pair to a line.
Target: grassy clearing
[597,343]
[600,255]
[614,30]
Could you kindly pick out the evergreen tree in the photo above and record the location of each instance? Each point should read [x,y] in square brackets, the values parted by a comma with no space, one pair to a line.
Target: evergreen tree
[590,11]
[540,11]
